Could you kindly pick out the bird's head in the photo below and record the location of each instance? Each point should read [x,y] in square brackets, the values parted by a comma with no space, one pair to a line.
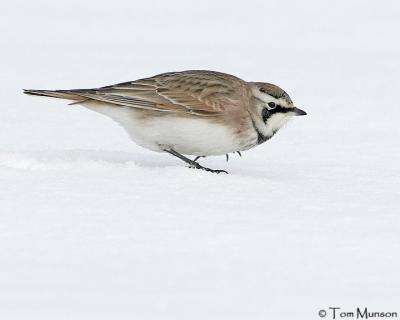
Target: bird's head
[271,107]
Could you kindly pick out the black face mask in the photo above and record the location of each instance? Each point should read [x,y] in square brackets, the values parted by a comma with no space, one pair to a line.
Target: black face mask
[265,114]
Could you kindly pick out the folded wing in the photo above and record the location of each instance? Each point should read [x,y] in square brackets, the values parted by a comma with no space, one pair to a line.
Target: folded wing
[194,92]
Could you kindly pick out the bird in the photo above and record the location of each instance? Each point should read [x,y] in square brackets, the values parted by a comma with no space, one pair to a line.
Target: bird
[190,113]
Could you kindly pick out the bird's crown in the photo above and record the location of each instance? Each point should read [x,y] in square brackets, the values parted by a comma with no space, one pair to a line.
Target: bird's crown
[273,91]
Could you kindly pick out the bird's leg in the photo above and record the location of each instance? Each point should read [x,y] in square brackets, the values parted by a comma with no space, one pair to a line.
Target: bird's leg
[198,157]
[192,163]
[227,155]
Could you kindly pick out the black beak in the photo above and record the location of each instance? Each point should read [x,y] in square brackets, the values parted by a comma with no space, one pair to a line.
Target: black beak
[299,112]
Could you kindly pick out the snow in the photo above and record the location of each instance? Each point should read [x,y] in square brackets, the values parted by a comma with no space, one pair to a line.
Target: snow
[94,227]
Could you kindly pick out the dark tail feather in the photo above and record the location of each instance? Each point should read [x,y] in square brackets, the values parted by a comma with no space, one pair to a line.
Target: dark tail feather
[62,94]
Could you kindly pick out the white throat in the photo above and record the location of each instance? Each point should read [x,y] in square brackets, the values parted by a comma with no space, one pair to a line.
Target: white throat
[274,123]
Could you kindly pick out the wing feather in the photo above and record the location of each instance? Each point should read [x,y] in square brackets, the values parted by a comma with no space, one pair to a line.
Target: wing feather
[194,92]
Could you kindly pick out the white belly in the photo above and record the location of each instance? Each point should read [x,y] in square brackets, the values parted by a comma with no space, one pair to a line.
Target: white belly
[191,136]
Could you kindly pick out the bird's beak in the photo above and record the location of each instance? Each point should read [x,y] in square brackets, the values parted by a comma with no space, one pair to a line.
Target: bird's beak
[299,112]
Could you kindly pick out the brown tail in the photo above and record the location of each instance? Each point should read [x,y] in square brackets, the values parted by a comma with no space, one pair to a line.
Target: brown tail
[62,94]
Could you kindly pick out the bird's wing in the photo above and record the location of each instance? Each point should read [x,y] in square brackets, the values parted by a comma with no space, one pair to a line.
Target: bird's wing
[195,92]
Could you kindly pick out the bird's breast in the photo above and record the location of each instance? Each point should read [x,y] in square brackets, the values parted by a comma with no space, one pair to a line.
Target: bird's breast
[186,134]
[196,135]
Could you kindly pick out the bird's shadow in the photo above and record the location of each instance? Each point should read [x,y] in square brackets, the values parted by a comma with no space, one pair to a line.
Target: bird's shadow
[65,158]
[21,159]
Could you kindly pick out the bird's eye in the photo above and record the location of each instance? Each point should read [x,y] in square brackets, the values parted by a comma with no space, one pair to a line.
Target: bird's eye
[271,105]
[265,114]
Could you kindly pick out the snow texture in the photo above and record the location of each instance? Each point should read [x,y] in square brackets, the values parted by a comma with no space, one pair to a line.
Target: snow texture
[94,227]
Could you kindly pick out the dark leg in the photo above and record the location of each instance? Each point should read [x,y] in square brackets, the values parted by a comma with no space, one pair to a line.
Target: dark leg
[198,157]
[192,163]
[227,157]
[238,152]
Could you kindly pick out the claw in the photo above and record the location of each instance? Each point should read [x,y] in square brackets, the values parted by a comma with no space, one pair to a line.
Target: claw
[196,165]
[192,163]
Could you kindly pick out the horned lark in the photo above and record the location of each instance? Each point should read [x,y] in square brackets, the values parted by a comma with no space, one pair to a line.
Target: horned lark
[199,113]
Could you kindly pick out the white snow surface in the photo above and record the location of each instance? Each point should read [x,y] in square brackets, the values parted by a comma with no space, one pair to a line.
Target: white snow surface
[94,227]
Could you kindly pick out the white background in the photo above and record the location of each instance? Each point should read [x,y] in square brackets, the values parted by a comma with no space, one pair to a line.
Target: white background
[94,227]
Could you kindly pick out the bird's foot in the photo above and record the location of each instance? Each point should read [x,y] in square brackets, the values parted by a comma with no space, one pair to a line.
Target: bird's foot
[192,163]
[196,165]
